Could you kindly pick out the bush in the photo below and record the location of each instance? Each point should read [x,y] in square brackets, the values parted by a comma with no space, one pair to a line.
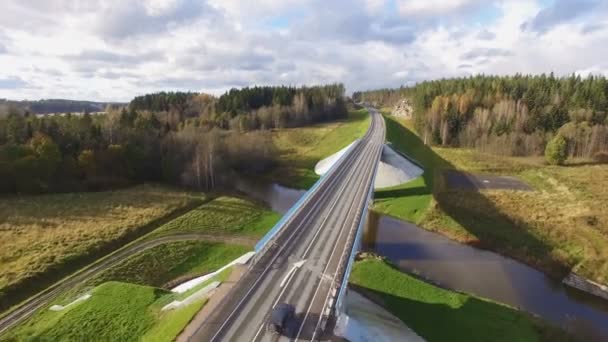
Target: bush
[556,151]
[601,157]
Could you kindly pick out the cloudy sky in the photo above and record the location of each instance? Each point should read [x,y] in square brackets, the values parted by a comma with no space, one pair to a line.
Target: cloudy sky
[112,50]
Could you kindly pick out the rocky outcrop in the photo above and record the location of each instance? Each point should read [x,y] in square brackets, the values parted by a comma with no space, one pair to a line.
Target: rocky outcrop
[586,285]
[403,109]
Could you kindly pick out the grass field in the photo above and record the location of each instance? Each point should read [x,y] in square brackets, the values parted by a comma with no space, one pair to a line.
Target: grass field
[437,314]
[147,275]
[53,235]
[563,225]
[301,148]
[162,265]
[223,215]
[116,311]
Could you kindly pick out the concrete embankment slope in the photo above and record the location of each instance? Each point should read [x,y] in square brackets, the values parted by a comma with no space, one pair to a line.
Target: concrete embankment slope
[364,321]
[394,169]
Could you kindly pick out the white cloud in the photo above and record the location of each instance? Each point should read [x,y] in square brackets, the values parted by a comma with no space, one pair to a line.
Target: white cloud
[114,49]
[431,7]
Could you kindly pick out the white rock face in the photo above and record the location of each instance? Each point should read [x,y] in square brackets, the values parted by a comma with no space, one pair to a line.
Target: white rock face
[394,169]
[324,165]
[365,321]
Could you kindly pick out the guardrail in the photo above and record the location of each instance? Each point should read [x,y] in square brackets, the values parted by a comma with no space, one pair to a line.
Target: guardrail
[276,229]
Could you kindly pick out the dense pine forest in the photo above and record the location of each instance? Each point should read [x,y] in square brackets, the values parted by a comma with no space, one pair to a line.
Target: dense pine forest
[512,115]
[189,139]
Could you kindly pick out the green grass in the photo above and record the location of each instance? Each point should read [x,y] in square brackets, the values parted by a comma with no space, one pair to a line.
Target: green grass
[53,235]
[223,215]
[163,265]
[171,323]
[561,226]
[437,314]
[301,148]
[115,312]
[408,201]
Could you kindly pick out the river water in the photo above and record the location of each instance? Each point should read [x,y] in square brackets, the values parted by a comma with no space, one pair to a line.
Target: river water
[459,267]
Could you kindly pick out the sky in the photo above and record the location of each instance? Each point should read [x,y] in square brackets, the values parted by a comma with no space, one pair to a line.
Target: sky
[113,50]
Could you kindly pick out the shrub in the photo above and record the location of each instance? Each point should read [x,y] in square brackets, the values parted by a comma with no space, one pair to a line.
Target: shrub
[601,157]
[556,150]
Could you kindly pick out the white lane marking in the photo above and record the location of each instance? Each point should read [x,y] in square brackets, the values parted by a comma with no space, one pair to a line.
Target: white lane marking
[295,266]
[334,278]
[340,191]
[326,266]
[331,182]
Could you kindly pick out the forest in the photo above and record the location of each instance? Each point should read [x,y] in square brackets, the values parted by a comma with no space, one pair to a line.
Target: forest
[189,139]
[510,115]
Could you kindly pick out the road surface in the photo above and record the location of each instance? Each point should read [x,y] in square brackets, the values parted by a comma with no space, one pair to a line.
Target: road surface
[306,262]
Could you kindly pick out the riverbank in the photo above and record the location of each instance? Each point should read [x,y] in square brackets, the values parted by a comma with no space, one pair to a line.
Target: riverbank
[557,228]
[438,314]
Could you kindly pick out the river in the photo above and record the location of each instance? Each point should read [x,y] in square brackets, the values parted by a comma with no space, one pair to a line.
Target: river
[459,267]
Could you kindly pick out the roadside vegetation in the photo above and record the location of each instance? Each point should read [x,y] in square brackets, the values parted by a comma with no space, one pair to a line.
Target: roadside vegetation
[438,314]
[225,216]
[48,236]
[173,263]
[147,277]
[115,311]
[299,149]
[560,226]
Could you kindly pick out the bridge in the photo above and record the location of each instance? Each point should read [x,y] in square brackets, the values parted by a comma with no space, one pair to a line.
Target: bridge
[307,257]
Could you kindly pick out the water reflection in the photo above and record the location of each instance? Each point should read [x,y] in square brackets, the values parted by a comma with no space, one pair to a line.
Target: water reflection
[459,267]
[277,197]
[487,274]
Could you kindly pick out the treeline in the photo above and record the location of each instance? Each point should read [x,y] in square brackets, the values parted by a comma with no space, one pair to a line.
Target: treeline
[513,115]
[180,138]
[278,107]
[55,106]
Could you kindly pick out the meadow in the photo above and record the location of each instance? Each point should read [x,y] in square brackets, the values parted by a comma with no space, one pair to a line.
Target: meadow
[45,237]
[560,226]
[223,215]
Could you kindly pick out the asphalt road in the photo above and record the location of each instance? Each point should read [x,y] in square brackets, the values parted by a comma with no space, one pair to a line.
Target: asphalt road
[34,303]
[306,262]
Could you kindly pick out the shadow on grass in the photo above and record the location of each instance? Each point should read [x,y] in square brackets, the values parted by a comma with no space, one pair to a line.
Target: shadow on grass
[417,191]
[471,209]
[473,320]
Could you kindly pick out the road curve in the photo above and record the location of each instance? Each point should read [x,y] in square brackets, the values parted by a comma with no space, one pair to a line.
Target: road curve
[306,263]
[32,304]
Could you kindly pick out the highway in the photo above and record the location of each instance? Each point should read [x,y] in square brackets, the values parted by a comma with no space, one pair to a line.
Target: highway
[306,262]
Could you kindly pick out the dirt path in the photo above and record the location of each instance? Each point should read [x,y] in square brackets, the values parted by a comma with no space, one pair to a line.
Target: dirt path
[31,305]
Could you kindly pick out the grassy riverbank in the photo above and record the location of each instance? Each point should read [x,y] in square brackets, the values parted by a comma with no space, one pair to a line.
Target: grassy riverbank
[53,235]
[560,226]
[437,314]
[301,148]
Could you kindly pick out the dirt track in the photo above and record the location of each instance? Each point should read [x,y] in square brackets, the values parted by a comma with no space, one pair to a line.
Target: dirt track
[29,307]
